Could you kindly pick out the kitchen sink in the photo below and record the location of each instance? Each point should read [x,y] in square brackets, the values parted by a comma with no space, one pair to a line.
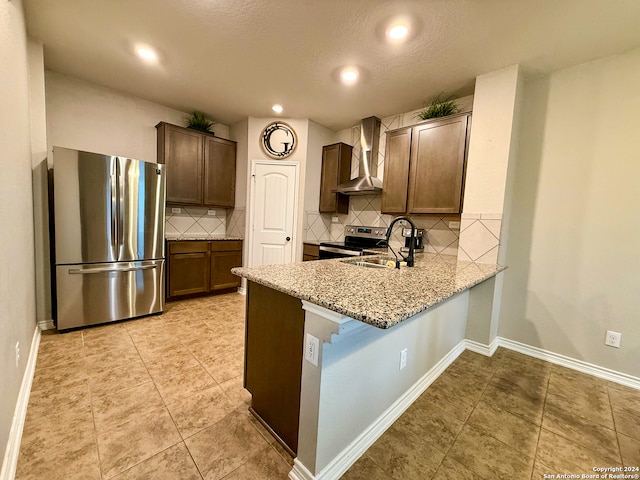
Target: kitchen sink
[381,262]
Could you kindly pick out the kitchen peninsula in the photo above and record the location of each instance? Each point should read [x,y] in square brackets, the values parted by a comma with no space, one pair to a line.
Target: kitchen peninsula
[372,340]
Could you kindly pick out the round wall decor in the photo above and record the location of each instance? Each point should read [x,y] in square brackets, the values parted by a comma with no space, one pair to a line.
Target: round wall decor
[278,140]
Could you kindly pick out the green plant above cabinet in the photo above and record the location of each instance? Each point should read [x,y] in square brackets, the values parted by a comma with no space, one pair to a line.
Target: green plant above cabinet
[424,166]
[201,168]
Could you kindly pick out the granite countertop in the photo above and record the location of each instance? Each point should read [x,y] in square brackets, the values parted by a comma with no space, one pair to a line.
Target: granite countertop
[181,238]
[380,297]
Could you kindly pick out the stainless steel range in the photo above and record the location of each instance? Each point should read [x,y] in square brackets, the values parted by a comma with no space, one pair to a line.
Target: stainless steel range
[357,239]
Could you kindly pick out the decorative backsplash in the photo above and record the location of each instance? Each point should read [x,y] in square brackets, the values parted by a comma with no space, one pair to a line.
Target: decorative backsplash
[365,210]
[236,222]
[195,222]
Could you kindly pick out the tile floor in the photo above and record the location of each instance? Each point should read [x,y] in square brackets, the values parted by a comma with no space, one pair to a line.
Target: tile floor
[508,417]
[155,398]
[162,398]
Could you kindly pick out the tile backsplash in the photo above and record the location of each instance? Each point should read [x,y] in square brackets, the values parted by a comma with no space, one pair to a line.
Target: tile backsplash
[195,222]
[365,210]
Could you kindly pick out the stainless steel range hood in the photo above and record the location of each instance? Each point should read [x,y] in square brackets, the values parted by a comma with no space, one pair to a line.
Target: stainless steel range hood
[366,183]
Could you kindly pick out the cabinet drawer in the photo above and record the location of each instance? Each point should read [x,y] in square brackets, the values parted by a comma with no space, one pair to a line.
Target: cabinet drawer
[310,249]
[226,245]
[188,247]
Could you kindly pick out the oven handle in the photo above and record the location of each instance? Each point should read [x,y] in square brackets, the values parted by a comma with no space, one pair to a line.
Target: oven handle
[351,253]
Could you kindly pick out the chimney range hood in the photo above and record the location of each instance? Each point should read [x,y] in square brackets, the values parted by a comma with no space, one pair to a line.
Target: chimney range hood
[366,183]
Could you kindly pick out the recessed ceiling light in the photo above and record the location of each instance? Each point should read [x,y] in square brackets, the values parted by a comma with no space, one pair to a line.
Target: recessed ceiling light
[397,32]
[277,108]
[349,75]
[147,54]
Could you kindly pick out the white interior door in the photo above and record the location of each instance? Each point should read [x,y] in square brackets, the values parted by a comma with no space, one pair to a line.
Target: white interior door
[274,205]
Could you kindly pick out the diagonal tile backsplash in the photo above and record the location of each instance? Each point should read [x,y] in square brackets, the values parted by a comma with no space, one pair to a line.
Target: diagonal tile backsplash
[195,222]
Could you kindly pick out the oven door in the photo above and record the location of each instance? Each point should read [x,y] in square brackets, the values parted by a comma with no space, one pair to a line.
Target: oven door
[332,251]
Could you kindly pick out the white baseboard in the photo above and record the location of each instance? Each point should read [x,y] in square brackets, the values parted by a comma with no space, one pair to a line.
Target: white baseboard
[572,363]
[46,324]
[10,461]
[300,472]
[345,459]
[486,350]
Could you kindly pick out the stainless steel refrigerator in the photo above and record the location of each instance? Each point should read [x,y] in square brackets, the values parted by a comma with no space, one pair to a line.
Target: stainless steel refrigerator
[109,237]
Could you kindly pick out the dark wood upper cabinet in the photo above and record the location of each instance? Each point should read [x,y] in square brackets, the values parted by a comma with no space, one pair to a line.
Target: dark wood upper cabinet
[396,171]
[201,168]
[336,169]
[424,166]
[219,172]
[181,150]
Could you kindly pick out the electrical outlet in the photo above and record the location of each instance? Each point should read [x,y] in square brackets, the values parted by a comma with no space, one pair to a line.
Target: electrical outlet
[17,354]
[211,213]
[613,339]
[311,349]
[403,358]
[334,219]
[454,225]
[176,210]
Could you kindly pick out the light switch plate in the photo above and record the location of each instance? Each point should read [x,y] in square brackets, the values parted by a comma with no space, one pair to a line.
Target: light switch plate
[211,213]
[454,225]
[176,210]
[334,219]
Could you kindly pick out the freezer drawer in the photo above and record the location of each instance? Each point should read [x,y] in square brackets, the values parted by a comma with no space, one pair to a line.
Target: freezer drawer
[104,292]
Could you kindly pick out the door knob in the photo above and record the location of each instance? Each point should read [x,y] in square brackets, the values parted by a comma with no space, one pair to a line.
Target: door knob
[288,238]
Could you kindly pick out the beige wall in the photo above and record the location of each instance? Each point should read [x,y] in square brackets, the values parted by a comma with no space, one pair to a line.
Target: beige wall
[38,121]
[86,116]
[574,267]
[17,280]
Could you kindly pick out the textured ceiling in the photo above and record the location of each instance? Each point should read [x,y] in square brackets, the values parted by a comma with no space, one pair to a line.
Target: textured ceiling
[235,58]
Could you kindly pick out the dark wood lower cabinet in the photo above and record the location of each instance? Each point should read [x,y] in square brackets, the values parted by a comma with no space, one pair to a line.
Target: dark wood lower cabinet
[221,265]
[310,251]
[189,268]
[273,360]
[202,267]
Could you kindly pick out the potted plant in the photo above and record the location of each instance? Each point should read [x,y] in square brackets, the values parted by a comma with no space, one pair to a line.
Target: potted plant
[439,107]
[199,121]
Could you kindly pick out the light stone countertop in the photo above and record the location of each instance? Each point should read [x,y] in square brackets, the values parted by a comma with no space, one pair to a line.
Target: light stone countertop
[180,238]
[380,297]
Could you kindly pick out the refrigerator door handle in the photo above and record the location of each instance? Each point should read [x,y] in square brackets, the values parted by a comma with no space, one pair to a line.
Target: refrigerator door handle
[85,271]
[114,208]
[121,186]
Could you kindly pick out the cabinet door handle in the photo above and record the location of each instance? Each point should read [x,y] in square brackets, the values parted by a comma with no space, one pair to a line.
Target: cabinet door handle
[288,239]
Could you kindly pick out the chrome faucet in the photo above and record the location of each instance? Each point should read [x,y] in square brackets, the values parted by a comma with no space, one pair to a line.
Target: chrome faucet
[409,258]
